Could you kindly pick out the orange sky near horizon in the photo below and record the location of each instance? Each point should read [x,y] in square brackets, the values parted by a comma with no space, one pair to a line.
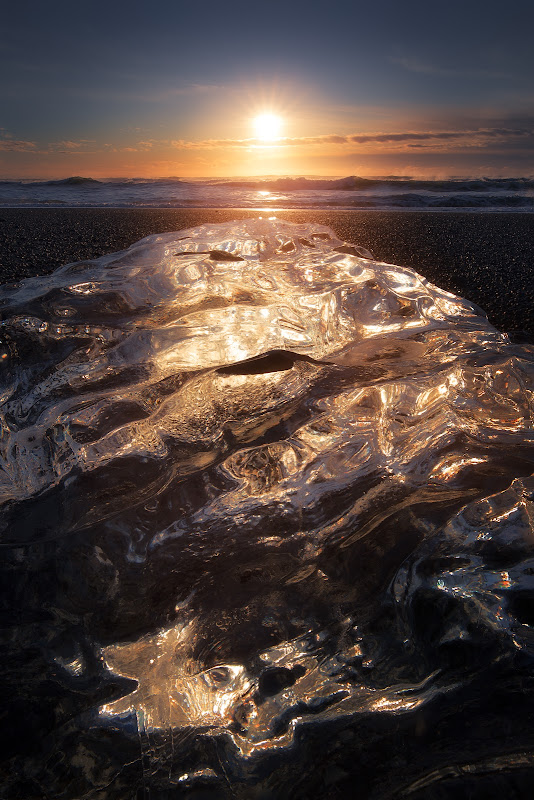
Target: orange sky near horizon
[442,152]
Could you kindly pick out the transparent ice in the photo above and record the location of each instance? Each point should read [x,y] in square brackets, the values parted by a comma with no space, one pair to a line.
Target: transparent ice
[254,482]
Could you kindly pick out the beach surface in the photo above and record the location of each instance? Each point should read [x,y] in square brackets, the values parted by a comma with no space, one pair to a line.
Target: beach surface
[487,258]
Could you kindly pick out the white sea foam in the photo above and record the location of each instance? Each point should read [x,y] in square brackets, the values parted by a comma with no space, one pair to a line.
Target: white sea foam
[352,192]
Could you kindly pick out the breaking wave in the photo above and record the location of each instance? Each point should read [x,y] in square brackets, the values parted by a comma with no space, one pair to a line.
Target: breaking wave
[300,192]
[267,526]
[76,180]
[354,182]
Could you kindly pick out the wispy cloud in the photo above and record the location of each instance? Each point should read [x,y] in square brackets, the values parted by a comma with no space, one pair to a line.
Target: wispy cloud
[412,64]
[17,146]
[476,136]
[506,137]
[151,95]
[70,146]
[211,144]
[11,145]
[139,147]
[195,89]
[441,135]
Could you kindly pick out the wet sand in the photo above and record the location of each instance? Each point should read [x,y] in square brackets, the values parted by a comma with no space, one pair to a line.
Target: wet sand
[485,257]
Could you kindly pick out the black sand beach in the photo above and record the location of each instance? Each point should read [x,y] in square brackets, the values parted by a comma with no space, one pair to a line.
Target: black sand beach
[487,258]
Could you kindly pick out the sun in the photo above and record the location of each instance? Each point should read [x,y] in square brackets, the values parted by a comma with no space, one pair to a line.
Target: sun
[267,126]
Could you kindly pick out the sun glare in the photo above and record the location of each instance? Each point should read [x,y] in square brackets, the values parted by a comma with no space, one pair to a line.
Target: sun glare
[267,126]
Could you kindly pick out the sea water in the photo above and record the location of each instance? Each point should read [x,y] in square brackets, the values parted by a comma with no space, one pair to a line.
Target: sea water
[487,194]
[267,527]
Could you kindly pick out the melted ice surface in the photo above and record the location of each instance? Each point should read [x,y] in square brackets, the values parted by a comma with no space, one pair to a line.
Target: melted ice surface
[250,456]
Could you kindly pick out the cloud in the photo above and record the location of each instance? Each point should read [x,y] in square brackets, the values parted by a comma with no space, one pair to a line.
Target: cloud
[69,146]
[196,88]
[424,68]
[475,136]
[211,144]
[10,145]
[440,135]
[146,145]
[17,146]
[513,135]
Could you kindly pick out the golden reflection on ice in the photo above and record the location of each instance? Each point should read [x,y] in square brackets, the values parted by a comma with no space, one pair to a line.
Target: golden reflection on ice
[264,419]
[172,690]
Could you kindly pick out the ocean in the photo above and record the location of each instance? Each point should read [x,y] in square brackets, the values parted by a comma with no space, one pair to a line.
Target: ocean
[394,193]
[267,527]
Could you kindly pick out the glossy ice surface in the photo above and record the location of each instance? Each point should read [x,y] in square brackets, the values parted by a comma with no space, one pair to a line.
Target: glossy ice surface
[260,491]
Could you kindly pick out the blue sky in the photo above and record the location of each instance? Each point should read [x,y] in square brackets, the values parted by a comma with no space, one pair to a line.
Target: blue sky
[172,88]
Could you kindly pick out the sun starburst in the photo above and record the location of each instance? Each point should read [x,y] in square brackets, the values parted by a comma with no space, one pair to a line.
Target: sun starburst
[267,126]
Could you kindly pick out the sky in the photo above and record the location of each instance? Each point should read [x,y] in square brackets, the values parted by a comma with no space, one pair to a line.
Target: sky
[173,88]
